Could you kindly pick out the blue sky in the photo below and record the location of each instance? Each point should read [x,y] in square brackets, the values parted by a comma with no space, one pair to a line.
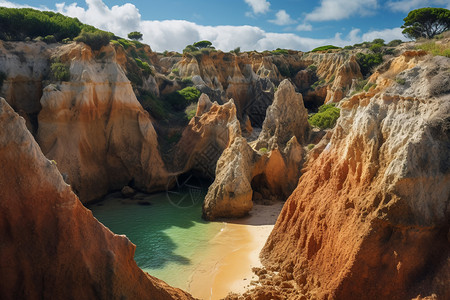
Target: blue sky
[249,24]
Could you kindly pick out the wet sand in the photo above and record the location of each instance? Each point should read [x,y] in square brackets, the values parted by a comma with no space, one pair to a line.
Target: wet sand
[234,251]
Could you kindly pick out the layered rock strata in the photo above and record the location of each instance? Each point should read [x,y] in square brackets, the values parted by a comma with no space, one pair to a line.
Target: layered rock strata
[370,217]
[51,245]
[96,130]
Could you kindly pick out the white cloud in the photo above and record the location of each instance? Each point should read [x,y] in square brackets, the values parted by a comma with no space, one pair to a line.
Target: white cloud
[304,27]
[259,6]
[282,18]
[385,34]
[408,5]
[176,34]
[15,5]
[341,9]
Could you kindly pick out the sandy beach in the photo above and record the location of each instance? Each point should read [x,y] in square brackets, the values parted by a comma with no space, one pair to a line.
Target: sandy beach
[234,251]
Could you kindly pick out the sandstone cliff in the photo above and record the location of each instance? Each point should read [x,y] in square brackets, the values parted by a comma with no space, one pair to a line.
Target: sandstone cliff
[51,246]
[370,217]
[96,130]
[266,168]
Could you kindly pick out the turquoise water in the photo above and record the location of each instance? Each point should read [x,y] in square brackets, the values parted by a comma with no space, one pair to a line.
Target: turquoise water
[171,239]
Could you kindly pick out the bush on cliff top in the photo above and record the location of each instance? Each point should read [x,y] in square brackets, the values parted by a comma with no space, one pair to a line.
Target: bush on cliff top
[17,24]
[325,48]
[326,117]
[95,39]
[179,100]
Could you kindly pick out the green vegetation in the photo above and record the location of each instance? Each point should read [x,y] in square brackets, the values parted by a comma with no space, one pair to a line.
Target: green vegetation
[326,117]
[280,51]
[95,39]
[179,100]
[310,146]
[401,81]
[263,150]
[125,43]
[144,66]
[317,84]
[187,81]
[312,68]
[236,50]
[359,86]
[426,22]
[49,39]
[368,61]
[202,44]
[394,43]
[435,49]
[135,35]
[155,106]
[17,24]
[176,71]
[59,71]
[378,42]
[325,48]
[190,111]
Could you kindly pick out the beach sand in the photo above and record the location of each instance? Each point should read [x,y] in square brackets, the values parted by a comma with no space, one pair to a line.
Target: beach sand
[234,251]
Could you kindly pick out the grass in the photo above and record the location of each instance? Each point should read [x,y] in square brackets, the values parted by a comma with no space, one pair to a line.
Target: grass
[435,48]
[326,117]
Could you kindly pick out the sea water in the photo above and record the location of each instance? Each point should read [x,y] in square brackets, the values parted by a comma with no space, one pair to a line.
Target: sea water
[170,235]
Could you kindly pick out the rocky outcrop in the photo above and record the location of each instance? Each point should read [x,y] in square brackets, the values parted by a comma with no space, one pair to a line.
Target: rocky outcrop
[96,130]
[23,68]
[51,246]
[230,195]
[269,168]
[207,135]
[370,216]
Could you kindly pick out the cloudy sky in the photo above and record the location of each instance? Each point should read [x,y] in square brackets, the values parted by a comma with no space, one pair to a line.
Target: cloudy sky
[249,24]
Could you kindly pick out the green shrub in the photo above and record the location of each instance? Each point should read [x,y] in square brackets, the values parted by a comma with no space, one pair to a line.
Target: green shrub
[317,84]
[280,51]
[401,81]
[135,35]
[202,44]
[368,86]
[359,86]
[394,43]
[378,42]
[179,100]
[324,48]
[95,39]
[263,150]
[310,146]
[190,111]
[312,68]
[187,81]
[17,24]
[176,71]
[144,66]
[236,50]
[349,47]
[49,39]
[326,117]
[368,61]
[59,71]
[376,48]
[154,106]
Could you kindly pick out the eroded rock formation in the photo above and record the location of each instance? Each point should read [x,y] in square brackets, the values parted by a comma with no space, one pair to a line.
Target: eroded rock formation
[51,246]
[96,130]
[207,135]
[370,217]
[269,168]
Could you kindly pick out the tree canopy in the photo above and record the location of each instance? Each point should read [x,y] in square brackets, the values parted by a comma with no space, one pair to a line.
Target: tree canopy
[203,44]
[135,35]
[426,22]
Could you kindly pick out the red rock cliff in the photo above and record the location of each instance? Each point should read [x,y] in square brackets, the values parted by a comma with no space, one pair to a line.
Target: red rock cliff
[51,247]
[370,217]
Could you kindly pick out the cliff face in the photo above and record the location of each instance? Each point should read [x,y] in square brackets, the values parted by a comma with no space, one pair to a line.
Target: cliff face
[96,130]
[51,246]
[370,217]
[266,168]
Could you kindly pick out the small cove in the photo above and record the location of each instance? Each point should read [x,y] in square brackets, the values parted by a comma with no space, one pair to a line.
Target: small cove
[171,240]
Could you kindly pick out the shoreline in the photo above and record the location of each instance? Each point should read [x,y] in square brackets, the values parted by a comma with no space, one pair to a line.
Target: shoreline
[234,251]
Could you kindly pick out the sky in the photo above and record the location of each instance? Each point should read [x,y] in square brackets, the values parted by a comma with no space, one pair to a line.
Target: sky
[248,24]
